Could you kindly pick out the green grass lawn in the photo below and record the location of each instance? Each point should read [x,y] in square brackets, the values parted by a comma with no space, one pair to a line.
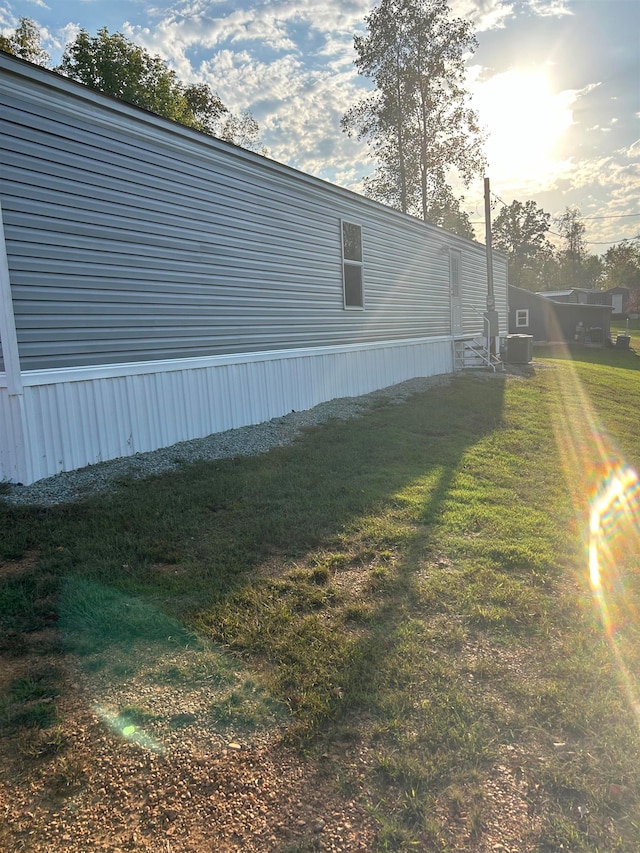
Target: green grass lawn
[414,582]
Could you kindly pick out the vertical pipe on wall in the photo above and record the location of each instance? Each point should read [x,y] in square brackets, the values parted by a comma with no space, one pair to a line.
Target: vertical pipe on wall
[491,315]
[491,302]
[8,337]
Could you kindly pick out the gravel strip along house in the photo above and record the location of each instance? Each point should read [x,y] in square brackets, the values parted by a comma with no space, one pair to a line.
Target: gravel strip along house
[158,285]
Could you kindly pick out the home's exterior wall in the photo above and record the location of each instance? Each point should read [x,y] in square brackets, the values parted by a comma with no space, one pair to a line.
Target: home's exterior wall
[164,285]
[131,239]
[475,289]
[618,298]
[13,466]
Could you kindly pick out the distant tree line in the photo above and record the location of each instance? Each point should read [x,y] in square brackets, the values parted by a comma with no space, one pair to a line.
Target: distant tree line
[520,230]
[111,63]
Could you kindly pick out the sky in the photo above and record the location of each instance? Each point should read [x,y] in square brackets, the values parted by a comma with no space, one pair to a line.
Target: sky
[556,84]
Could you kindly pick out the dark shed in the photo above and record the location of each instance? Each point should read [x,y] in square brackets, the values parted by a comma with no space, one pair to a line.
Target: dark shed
[547,320]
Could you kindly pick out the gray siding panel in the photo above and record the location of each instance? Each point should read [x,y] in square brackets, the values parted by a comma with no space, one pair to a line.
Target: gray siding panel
[132,239]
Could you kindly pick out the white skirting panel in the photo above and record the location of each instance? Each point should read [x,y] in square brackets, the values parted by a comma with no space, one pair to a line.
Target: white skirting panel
[12,441]
[72,417]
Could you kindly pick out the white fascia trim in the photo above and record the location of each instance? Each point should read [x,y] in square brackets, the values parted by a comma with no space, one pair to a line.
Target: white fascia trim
[56,375]
[12,376]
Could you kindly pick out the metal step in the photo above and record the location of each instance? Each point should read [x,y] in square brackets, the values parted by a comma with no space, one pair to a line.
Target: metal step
[473,354]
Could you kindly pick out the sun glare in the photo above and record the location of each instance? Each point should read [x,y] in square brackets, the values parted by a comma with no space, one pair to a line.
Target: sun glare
[525,119]
[606,494]
[617,501]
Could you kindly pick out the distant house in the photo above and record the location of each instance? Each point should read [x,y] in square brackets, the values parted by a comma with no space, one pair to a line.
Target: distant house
[159,285]
[616,297]
[577,295]
[550,320]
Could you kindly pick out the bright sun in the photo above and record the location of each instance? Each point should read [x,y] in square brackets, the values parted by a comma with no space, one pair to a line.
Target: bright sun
[526,120]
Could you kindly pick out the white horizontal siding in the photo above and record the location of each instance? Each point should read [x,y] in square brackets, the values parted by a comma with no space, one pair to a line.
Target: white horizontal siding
[70,418]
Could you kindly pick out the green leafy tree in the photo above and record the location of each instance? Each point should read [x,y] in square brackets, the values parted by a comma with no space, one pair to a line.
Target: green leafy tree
[113,64]
[520,231]
[573,255]
[25,42]
[622,264]
[592,270]
[417,121]
[447,212]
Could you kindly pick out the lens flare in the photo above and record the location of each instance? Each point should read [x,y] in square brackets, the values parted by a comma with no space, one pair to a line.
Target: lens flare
[606,495]
[613,506]
[121,725]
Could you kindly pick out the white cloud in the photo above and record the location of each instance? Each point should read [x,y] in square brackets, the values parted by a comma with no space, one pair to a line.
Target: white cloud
[608,187]
[57,41]
[207,25]
[290,64]
[241,80]
[298,109]
[550,8]
[483,14]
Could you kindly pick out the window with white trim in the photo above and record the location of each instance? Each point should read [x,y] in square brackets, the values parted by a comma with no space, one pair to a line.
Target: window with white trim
[522,318]
[352,265]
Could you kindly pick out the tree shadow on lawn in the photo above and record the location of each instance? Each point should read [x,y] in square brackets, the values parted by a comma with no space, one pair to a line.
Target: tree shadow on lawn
[187,549]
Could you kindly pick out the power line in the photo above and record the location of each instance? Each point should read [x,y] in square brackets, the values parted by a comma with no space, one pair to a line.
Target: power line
[601,242]
[616,243]
[583,218]
[612,216]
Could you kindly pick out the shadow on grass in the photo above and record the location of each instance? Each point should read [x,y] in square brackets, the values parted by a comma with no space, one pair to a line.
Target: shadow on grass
[189,548]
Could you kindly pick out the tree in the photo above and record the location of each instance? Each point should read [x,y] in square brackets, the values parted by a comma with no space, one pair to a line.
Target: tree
[26,43]
[113,64]
[116,66]
[622,264]
[447,212]
[520,230]
[592,269]
[417,122]
[242,130]
[573,255]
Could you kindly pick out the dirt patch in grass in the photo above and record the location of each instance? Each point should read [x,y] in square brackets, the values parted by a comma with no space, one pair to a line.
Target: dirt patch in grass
[144,754]
[160,748]
[18,568]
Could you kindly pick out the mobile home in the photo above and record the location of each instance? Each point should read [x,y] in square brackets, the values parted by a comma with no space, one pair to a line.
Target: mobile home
[158,284]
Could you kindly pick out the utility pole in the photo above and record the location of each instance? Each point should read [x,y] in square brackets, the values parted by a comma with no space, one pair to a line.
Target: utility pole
[491,302]
[491,315]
